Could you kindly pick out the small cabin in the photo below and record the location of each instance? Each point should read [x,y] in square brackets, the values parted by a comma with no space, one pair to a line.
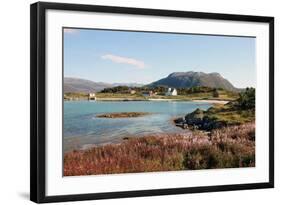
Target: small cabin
[132,92]
[91,96]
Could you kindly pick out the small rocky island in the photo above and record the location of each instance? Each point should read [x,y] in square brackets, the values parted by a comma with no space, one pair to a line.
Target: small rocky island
[123,114]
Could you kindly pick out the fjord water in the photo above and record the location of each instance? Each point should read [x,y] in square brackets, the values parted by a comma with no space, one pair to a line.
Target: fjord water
[82,128]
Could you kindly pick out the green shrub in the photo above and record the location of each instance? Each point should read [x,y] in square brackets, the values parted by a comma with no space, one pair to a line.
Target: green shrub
[221,155]
[247,98]
[215,93]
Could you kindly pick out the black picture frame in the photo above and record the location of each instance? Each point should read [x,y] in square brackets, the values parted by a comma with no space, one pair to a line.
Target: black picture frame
[38,101]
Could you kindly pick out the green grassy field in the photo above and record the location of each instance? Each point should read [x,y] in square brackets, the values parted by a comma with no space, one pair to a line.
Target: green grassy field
[229,114]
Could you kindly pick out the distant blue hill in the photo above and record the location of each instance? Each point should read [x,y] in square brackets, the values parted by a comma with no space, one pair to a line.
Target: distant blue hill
[174,80]
[78,85]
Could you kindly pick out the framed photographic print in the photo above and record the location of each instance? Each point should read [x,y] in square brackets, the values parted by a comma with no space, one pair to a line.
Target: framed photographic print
[129,102]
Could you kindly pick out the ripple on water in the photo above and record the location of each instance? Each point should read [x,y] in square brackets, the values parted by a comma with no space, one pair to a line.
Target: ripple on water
[82,128]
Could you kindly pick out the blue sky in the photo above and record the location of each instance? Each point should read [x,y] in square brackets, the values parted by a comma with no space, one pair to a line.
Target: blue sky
[142,57]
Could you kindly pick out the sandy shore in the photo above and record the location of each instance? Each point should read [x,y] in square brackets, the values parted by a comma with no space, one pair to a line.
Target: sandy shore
[223,102]
[120,99]
[163,99]
[158,100]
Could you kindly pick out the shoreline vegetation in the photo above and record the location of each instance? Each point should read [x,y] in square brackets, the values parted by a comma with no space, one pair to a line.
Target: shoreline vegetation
[221,137]
[230,147]
[130,98]
[212,101]
[125,93]
[218,116]
[123,115]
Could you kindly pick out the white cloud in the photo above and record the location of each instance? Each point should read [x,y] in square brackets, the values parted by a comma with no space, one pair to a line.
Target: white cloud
[124,60]
[70,30]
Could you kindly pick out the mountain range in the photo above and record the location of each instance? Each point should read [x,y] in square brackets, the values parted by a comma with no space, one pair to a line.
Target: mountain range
[75,85]
[191,79]
[174,80]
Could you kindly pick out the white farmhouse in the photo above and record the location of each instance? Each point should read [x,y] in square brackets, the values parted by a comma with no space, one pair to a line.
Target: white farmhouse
[171,92]
[91,96]
[174,92]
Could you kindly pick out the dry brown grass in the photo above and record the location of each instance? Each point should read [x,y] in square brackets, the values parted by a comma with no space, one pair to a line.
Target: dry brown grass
[229,147]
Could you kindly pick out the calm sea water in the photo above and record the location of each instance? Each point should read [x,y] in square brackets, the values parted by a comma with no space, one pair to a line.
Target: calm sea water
[82,128]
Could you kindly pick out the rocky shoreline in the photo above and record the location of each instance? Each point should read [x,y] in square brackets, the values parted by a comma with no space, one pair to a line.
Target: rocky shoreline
[197,120]
[216,117]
